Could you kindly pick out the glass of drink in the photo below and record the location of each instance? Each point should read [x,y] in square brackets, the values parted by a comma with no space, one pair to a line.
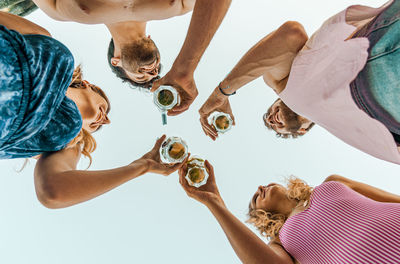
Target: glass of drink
[165,98]
[222,122]
[173,150]
[197,174]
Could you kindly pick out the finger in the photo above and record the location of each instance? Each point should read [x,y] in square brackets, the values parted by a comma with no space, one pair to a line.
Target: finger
[179,108]
[210,133]
[210,130]
[233,118]
[182,180]
[209,168]
[159,141]
[157,84]
[176,166]
[183,169]
[206,131]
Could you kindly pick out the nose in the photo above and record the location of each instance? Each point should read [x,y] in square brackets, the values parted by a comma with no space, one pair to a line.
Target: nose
[270,119]
[106,121]
[154,72]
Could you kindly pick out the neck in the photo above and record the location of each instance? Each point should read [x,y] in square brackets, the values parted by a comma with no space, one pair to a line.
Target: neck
[297,208]
[125,33]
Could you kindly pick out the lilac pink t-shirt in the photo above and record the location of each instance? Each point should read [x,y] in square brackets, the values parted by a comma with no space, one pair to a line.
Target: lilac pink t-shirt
[319,84]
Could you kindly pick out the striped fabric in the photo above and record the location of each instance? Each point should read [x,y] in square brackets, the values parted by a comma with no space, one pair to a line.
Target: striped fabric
[343,226]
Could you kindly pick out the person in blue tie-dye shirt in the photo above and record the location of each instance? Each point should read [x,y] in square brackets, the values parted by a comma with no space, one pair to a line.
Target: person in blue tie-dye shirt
[48,111]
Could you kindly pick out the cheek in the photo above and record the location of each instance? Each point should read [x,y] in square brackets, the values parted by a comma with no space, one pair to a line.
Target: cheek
[265,205]
[88,113]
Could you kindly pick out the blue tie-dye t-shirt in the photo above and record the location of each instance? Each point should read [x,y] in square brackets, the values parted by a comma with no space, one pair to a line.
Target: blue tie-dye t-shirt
[35,114]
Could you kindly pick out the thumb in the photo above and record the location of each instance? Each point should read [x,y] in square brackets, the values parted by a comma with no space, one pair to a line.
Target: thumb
[159,141]
[233,118]
[157,84]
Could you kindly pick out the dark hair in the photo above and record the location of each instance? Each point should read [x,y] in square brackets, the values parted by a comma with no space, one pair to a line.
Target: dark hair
[294,134]
[120,72]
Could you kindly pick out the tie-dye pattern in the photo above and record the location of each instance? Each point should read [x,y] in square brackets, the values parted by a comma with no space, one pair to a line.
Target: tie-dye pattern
[35,114]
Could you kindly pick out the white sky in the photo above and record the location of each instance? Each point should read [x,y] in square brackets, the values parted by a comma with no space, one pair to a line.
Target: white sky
[150,219]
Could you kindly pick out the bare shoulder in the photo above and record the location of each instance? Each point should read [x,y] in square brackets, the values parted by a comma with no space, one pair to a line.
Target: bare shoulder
[62,160]
[335,177]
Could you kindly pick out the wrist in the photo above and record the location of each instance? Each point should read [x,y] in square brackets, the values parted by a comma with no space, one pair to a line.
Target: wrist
[142,165]
[183,70]
[225,88]
[214,202]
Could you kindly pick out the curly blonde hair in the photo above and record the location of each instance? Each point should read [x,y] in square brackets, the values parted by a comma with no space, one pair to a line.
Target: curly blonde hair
[84,138]
[270,223]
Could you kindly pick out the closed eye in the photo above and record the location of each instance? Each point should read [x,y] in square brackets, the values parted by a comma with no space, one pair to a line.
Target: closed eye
[254,200]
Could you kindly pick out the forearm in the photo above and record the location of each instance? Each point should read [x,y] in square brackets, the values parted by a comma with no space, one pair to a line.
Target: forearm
[375,193]
[70,187]
[247,245]
[271,57]
[21,25]
[367,190]
[206,18]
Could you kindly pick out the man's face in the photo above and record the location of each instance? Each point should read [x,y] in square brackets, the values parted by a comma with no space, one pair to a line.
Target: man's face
[284,121]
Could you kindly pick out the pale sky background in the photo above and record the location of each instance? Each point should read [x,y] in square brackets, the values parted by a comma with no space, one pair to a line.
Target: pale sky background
[150,219]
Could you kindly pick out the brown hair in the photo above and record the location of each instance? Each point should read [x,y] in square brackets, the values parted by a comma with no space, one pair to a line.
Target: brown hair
[84,138]
[270,223]
[293,122]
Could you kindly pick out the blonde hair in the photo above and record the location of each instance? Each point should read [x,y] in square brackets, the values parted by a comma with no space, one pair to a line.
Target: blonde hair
[84,138]
[270,223]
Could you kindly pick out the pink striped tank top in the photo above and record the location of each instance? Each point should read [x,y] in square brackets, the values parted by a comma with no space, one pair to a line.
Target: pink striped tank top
[343,226]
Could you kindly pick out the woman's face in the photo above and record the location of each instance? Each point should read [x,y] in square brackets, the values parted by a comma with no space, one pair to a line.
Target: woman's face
[92,106]
[272,198]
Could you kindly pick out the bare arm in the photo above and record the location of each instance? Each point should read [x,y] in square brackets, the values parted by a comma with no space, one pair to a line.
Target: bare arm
[206,18]
[59,184]
[271,57]
[247,245]
[366,190]
[21,25]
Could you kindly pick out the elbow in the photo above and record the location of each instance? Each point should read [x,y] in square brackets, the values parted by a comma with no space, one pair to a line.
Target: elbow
[48,195]
[295,33]
[48,198]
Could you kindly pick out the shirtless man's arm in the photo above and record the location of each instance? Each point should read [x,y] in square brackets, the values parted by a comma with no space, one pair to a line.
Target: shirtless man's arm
[271,58]
[206,18]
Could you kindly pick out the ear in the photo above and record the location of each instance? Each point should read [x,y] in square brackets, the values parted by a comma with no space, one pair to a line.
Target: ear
[116,61]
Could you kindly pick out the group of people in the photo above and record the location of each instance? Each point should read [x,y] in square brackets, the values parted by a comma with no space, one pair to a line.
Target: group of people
[345,78]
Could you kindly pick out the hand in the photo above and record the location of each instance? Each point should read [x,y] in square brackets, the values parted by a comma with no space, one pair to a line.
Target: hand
[216,102]
[185,86]
[155,165]
[205,194]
